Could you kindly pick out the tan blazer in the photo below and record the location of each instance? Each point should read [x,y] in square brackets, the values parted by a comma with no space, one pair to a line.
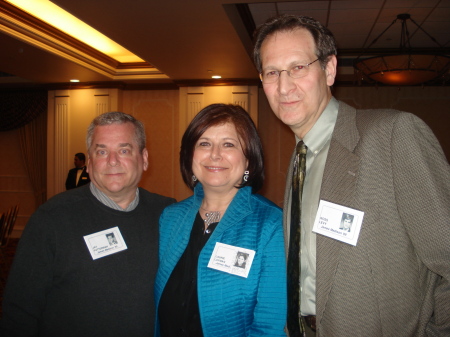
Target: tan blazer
[395,281]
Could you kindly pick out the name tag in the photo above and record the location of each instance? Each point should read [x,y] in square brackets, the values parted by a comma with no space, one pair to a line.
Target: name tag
[338,222]
[104,243]
[231,259]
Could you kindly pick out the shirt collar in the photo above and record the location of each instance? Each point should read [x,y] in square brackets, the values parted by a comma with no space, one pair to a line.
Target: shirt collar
[105,200]
[321,132]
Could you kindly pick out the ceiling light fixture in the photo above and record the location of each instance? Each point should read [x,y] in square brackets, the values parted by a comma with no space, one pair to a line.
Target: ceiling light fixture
[75,80]
[405,67]
[216,76]
[52,14]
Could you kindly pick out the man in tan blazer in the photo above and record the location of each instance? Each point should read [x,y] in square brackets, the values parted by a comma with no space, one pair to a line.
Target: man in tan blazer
[395,281]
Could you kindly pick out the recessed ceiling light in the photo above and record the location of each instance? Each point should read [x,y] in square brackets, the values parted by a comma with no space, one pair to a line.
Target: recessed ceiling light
[74,80]
[216,76]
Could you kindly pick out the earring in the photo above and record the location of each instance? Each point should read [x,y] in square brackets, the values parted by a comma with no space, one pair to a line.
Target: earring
[246,173]
[194,178]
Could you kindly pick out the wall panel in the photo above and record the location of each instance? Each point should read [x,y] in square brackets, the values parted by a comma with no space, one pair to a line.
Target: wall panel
[159,111]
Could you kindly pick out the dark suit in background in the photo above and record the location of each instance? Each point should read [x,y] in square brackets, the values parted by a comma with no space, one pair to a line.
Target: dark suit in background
[71,181]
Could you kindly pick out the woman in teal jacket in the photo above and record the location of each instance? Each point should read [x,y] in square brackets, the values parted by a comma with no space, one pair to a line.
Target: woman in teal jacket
[198,289]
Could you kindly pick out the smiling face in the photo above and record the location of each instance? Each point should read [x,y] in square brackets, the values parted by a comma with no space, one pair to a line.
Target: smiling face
[115,164]
[296,102]
[219,162]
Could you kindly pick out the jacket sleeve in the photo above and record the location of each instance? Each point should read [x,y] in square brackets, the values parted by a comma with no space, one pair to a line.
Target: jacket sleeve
[29,280]
[422,189]
[68,184]
[271,307]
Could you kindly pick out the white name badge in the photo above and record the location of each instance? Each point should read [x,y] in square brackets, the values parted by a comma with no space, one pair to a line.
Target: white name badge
[231,259]
[107,242]
[338,222]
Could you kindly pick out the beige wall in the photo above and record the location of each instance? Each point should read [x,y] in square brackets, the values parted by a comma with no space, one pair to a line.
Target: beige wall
[278,143]
[163,114]
[159,111]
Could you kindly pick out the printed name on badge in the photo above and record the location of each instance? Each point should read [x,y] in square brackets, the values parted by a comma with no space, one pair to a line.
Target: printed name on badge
[338,222]
[104,243]
[231,259]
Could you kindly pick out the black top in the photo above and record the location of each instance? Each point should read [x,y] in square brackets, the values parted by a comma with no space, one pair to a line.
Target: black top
[179,314]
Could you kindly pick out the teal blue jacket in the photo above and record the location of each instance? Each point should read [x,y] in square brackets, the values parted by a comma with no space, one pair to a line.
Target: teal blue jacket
[231,305]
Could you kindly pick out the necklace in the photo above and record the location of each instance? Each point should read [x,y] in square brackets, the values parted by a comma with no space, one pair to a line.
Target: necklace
[211,216]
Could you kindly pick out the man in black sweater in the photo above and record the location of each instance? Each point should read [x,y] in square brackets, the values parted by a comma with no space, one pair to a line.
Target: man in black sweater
[68,279]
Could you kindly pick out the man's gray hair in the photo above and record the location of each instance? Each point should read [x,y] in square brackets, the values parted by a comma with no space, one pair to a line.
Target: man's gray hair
[116,117]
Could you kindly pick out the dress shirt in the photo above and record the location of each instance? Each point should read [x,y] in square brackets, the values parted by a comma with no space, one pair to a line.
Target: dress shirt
[103,198]
[318,142]
[79,172]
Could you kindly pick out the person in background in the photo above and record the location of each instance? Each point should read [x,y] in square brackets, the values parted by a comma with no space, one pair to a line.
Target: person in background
[395,279]
[77,176]
[66,280]
[198,291]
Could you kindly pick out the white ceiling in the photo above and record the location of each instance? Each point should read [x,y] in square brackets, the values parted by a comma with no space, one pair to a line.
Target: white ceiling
[190,40]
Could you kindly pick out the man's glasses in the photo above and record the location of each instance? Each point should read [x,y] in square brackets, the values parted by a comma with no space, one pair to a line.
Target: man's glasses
[297,71]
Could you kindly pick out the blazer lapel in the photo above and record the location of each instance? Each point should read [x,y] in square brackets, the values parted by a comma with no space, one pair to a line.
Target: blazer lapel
[338,186]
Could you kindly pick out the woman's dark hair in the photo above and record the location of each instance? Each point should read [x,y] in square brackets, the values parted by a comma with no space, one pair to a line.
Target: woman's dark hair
[323,38]
[218,114]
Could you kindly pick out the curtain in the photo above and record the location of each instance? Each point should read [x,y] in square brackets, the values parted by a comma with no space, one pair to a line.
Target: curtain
[33,142]
[27,111]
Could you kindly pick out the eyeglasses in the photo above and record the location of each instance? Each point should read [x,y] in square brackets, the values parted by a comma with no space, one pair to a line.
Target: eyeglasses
[297,71]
